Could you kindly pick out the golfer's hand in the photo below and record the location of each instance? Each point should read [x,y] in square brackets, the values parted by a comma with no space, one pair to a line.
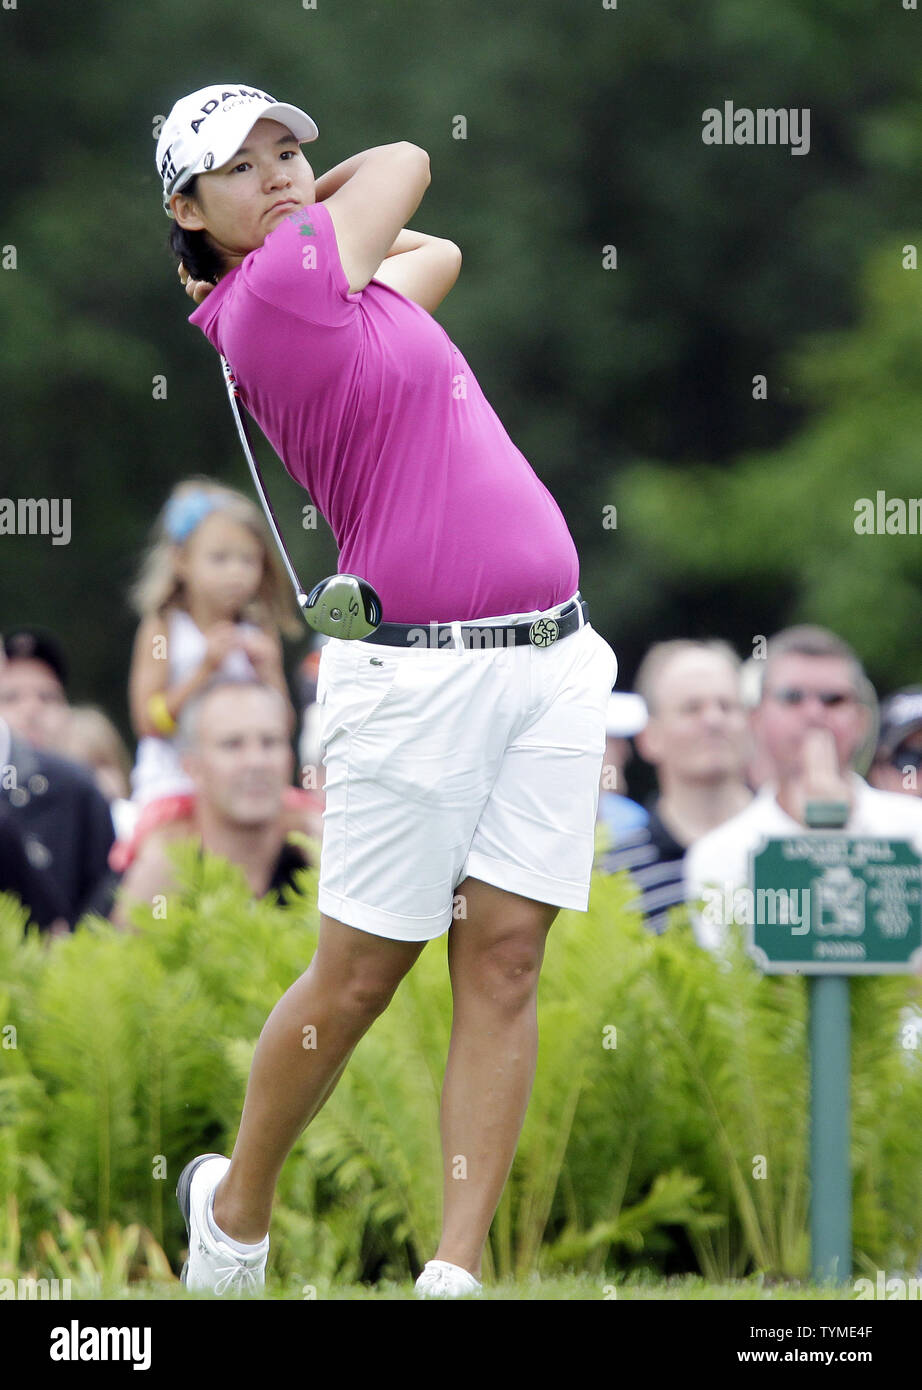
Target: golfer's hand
[197,290]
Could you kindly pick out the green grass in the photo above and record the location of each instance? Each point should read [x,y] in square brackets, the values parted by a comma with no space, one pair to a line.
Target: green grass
[564,1288]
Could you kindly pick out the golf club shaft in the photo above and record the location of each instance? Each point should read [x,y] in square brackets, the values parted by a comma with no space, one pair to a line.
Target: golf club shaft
[231,384]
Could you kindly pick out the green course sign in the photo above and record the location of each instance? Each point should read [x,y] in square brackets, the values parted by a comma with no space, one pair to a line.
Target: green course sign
[831,904]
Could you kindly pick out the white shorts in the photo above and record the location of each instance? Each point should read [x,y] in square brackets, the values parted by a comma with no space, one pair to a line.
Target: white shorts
[444,762]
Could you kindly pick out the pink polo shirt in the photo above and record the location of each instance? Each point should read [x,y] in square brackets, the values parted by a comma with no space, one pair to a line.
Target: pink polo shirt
[375,412]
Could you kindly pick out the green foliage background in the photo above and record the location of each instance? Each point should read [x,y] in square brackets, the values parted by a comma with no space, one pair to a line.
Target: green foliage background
[665,1075]
[630,387]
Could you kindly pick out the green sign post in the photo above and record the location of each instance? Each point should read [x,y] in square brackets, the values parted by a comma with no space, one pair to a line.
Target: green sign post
[830,905]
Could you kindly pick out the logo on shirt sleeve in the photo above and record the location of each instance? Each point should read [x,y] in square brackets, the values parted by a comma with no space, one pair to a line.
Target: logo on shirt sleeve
[304,227]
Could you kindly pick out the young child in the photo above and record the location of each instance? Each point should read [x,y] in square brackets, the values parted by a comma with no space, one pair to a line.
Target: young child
[213,597]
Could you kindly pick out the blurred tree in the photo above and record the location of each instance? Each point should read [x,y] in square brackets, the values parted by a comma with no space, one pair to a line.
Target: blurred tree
[583,132]
[792,519]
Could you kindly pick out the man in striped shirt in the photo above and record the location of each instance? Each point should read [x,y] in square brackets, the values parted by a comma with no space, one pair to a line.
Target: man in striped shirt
[697,739]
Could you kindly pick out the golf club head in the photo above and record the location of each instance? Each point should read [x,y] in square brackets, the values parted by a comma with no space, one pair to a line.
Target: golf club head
[342,606]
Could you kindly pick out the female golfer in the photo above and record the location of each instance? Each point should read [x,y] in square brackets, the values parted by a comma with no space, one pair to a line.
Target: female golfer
[463,740]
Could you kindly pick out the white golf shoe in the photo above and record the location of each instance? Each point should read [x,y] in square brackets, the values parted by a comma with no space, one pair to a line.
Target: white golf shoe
[440,1279]
[213,1265]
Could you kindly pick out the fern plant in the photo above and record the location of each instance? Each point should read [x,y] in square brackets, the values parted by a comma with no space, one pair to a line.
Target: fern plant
[666,1130]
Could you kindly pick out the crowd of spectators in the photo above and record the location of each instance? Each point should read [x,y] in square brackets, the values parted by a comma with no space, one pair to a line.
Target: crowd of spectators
[737,749]
[740,750]
[85,827]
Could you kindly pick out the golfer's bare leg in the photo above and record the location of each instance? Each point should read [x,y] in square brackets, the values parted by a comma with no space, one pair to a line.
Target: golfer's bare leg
[349,982]
[494,958]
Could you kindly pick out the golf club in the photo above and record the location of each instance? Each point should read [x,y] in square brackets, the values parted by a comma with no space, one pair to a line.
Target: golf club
[343,605]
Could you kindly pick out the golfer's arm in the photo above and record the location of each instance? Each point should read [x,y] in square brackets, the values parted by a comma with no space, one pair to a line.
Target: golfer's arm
[334,178]
[408,240]
[422,268]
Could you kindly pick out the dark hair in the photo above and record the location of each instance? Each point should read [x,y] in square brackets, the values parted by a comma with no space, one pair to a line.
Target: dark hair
[809,640]
[194,249]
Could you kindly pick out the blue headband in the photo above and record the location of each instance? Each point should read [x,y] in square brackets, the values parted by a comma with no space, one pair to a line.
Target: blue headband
[185,512]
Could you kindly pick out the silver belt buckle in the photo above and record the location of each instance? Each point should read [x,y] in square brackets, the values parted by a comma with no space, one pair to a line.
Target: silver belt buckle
[543,632]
